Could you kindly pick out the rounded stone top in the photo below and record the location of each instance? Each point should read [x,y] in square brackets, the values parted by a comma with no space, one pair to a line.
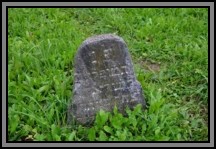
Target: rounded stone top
[99,38]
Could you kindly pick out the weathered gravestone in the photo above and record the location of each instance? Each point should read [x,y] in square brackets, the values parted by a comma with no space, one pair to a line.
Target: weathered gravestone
[104,77]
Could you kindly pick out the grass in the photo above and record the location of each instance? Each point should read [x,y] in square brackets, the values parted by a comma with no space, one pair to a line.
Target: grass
[169,49]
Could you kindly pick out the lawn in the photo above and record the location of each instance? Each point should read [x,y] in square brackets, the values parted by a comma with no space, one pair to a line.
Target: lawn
[169,49]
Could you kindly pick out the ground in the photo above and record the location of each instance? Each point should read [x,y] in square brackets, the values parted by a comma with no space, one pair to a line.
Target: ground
[169,49]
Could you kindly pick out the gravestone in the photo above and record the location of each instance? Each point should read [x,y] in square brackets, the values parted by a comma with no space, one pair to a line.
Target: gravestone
[104,77]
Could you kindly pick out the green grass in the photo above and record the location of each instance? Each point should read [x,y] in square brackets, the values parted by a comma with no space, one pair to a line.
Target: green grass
[169,49]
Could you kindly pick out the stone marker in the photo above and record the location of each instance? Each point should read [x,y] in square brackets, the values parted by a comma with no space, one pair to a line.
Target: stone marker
[104,77]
